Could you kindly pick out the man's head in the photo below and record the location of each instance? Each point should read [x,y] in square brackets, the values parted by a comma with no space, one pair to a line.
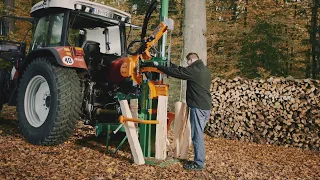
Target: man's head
[191,58]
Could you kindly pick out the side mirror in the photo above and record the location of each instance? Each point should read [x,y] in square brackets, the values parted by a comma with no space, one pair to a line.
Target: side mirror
[134,9]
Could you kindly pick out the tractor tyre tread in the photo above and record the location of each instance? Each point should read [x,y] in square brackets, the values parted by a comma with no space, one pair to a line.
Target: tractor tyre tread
[67,108]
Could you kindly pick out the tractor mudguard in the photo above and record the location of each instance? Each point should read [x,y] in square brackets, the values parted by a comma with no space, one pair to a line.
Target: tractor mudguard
[64,56]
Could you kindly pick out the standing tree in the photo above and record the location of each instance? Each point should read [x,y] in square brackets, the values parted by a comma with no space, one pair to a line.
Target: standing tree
[7,25]
[194,34]
[246,12]
[261,54]
[314,41]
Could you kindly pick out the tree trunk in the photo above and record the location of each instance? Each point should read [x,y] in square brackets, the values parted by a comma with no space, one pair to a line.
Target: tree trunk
[234,10]
[314,23]
[194,33]
[246,12]
[7,25]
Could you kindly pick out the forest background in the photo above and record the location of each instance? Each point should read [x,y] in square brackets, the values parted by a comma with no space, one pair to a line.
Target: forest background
[248,38]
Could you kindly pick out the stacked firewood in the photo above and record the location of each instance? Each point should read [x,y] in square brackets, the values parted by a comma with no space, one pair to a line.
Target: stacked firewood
[281,111]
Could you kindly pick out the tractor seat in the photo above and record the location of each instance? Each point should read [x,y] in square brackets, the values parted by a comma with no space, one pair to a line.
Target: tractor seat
[91,49]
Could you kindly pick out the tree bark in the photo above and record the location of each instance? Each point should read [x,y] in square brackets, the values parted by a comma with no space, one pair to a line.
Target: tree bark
[314,19]
[7,25]
[194,33]
[246,12]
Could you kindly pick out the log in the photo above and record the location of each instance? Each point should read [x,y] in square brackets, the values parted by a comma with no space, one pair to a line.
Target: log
[132,135]
[182,135]
[161,128]
[277,111]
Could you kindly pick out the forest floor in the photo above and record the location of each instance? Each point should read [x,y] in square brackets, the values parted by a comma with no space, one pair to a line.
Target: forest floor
[84,156]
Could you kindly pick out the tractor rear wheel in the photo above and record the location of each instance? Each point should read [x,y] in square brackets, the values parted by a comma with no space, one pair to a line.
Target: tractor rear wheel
[48,102]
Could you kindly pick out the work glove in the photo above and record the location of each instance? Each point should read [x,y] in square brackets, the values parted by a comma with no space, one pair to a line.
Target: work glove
[150,64]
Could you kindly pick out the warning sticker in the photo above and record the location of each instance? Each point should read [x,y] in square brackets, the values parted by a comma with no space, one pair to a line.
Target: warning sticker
[68,60]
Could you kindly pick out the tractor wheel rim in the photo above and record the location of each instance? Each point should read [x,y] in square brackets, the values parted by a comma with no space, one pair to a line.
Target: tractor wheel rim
[37,101]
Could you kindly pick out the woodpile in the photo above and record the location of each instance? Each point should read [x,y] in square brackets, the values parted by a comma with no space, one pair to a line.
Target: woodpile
[281,111]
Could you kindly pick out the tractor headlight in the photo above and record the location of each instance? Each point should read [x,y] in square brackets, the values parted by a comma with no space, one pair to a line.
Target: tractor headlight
[78,7]
[84,8]
[87,9]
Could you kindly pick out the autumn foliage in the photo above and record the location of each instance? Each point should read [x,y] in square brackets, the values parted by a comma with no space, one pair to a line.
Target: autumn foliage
[234,42]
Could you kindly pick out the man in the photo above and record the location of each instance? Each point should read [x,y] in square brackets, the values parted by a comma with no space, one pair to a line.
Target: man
[199,101]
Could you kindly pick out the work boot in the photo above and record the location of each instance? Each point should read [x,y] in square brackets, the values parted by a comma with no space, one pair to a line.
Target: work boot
[192,166]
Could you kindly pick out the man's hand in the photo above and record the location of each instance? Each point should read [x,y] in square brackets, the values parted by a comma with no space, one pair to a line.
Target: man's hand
[150,64]
[157,64]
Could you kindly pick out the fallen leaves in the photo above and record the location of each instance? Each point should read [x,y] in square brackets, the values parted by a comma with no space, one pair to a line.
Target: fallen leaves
[84,156]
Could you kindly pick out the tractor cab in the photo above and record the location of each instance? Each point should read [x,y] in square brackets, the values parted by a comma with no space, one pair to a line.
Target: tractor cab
[80,23]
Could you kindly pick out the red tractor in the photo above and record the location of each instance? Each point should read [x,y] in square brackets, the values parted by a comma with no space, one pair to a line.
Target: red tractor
[71,71]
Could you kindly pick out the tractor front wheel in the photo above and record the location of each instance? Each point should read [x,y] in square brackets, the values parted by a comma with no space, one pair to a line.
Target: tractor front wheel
[48,102]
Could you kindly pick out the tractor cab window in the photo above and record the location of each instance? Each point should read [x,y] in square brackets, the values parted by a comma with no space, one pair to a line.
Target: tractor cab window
[41,33]
[87,28]
[56,30]
[48,31]
[108,38]
[112,38]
